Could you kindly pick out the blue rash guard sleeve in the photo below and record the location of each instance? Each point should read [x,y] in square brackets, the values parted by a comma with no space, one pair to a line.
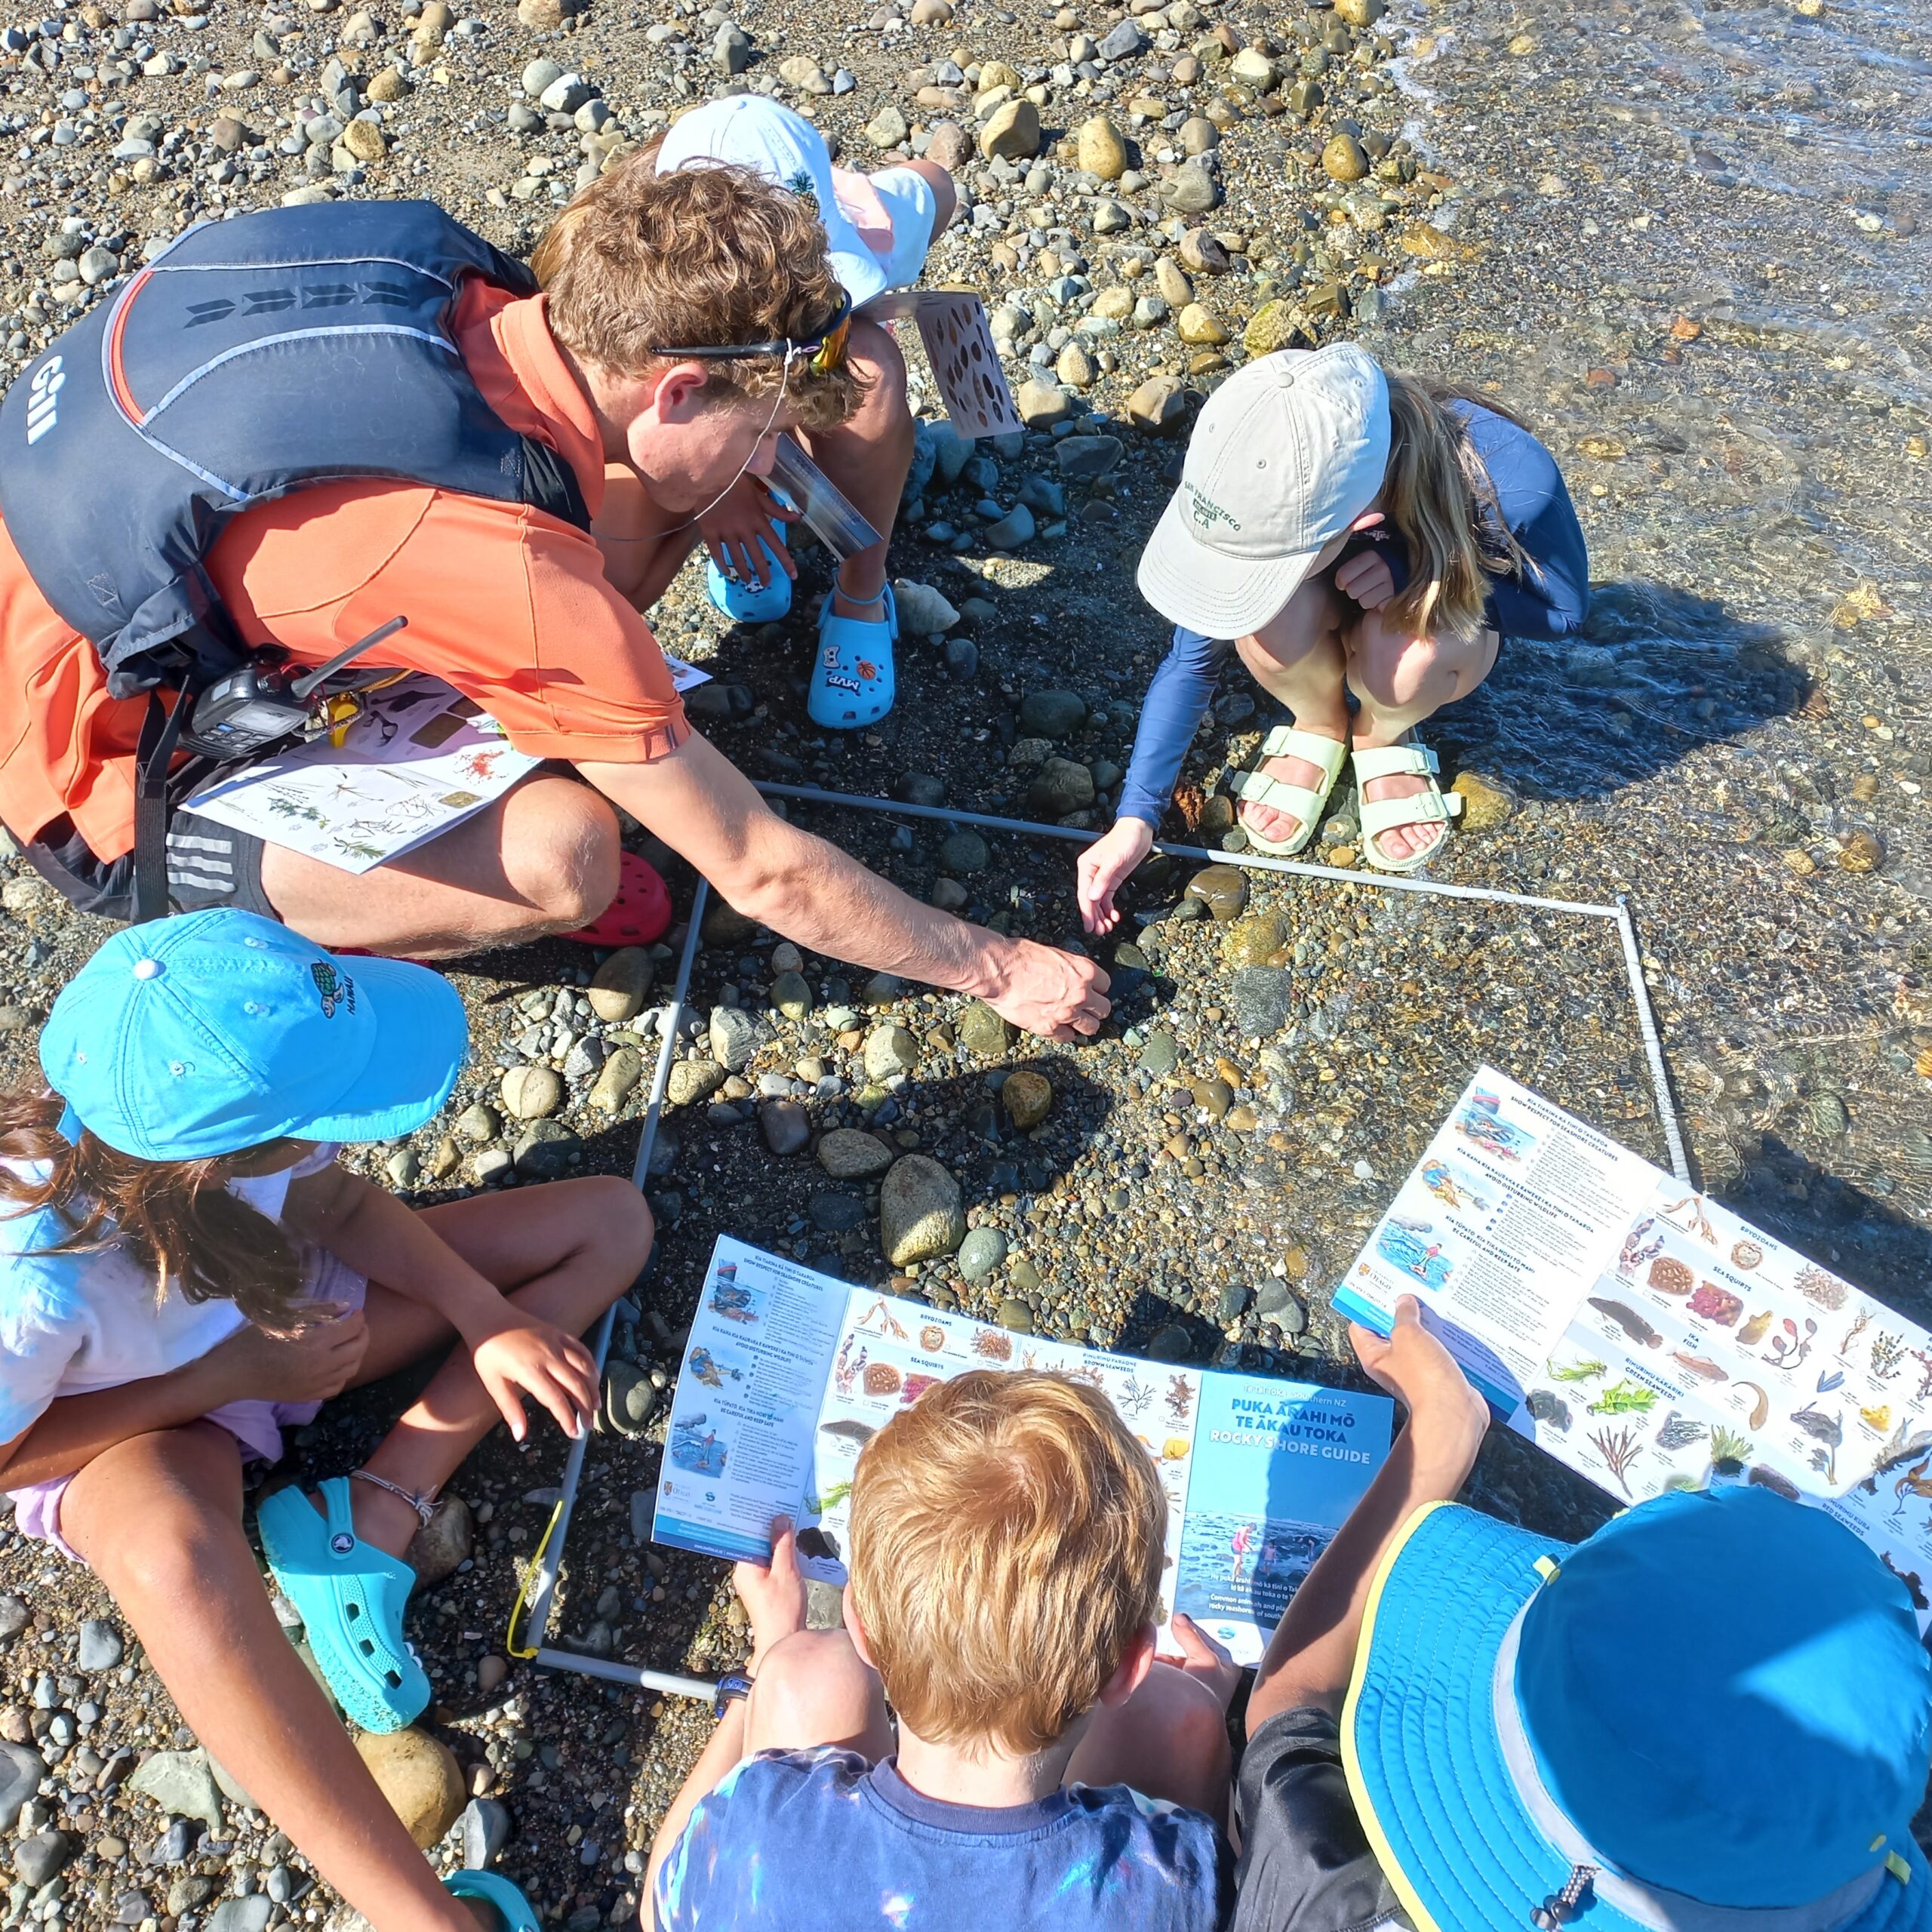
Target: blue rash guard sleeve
[1177,701]
[1550,601]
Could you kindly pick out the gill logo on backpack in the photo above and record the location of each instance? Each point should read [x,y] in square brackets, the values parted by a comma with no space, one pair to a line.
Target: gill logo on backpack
[43,396]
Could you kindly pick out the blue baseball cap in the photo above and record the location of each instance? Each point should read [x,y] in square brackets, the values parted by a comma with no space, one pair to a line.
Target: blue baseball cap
[211,1033]
[1715,1715]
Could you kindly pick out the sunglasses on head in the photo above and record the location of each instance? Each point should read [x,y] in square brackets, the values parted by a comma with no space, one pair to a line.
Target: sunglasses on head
[823,351]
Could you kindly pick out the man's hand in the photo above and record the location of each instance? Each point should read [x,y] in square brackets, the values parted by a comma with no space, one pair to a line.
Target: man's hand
[1414,1367]
[737,531]
[1042,990]
[312,1366]
[1202,1659]
[527,1357]
[1104,867]
[774,1595]
[1366,579]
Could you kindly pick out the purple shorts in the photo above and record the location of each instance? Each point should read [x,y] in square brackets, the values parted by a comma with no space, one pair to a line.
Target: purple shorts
[256,1426]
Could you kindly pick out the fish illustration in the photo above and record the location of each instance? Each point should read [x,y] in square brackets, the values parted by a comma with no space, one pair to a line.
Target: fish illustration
[1627,1318]
[859,1433]
[1702,1366]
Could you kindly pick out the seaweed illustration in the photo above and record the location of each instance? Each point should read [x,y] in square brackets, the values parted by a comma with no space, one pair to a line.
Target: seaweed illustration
[1624,1398]
[1730,1451]
[1577,1371]
[1180,1397]
[1887,1355]
[1134,1397]
[1863,1321]
[1788,1347]
[1619,1449]
[1679,1431]
[1924,1358]
[1915,1483]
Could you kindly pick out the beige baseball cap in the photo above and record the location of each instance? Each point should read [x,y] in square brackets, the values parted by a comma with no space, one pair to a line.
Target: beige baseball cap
[1286,455]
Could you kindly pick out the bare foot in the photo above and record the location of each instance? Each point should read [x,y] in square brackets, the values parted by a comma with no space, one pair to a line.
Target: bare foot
[1404,841]
[1279,827]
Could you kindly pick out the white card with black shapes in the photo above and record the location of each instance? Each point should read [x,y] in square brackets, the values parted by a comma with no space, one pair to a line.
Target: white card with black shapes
[958,342]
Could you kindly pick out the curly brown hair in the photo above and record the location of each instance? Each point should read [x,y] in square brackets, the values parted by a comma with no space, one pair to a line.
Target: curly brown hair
[706,254]
[175,1219]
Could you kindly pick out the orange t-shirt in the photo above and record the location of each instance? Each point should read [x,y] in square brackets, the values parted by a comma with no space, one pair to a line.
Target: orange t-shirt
[508,604]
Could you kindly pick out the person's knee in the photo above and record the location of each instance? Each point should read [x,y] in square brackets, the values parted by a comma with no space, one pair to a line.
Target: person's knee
[1307,622]
[1389,668]
[163,1556]
[1197,1730]
[619,1218]
[813,1688]
[562,845]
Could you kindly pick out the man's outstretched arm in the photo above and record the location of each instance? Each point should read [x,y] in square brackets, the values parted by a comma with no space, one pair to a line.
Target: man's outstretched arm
[703,807]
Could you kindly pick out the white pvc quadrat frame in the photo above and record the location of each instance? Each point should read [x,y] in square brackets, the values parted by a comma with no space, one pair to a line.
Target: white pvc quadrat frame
[540,1588]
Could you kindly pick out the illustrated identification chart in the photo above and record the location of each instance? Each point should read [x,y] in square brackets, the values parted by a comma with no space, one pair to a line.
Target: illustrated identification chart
[1647,1336]
[419,759]
[789,1374]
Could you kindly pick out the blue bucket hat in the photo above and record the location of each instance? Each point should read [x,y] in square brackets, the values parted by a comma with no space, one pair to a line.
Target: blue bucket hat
[1712,1716]
[203,1034]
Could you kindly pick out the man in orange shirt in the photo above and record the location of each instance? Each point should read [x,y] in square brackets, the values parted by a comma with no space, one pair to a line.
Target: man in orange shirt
[512,605]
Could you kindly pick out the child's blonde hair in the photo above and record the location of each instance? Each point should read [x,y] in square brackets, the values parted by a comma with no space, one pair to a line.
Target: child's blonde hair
[1439,497]
[1007,1547]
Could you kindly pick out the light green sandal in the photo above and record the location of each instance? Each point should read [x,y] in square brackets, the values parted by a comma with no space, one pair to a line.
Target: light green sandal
[1377,816]
[1300,802]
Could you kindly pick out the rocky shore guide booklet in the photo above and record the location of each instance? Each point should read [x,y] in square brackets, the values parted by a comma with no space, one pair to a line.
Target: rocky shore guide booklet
[418,760]
[789,1374]
[1646,1335]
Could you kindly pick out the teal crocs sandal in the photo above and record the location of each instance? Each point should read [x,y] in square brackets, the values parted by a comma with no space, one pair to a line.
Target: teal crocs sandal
[1301,802]
[351,1596]
[763,600]
[493,1889]
[1377,816]
[852,682]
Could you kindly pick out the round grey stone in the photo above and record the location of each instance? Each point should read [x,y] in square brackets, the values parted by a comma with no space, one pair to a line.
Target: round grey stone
[981,1253]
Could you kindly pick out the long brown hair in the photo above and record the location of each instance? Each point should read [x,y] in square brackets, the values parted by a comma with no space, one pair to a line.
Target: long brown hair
[1439,497]
[175,1218]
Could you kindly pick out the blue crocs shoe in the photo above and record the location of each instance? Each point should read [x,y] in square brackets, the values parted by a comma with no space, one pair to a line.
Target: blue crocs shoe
[852,680]
[351,1596]
[492,1888]
[764,602]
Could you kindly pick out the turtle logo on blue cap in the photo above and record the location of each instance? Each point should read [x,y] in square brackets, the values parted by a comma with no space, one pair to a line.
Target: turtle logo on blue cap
[333,987]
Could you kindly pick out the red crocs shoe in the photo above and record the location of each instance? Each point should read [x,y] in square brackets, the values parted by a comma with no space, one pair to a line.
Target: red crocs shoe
[639,915]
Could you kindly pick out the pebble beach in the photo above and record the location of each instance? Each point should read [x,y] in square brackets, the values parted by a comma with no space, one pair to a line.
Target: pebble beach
[1689,241]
